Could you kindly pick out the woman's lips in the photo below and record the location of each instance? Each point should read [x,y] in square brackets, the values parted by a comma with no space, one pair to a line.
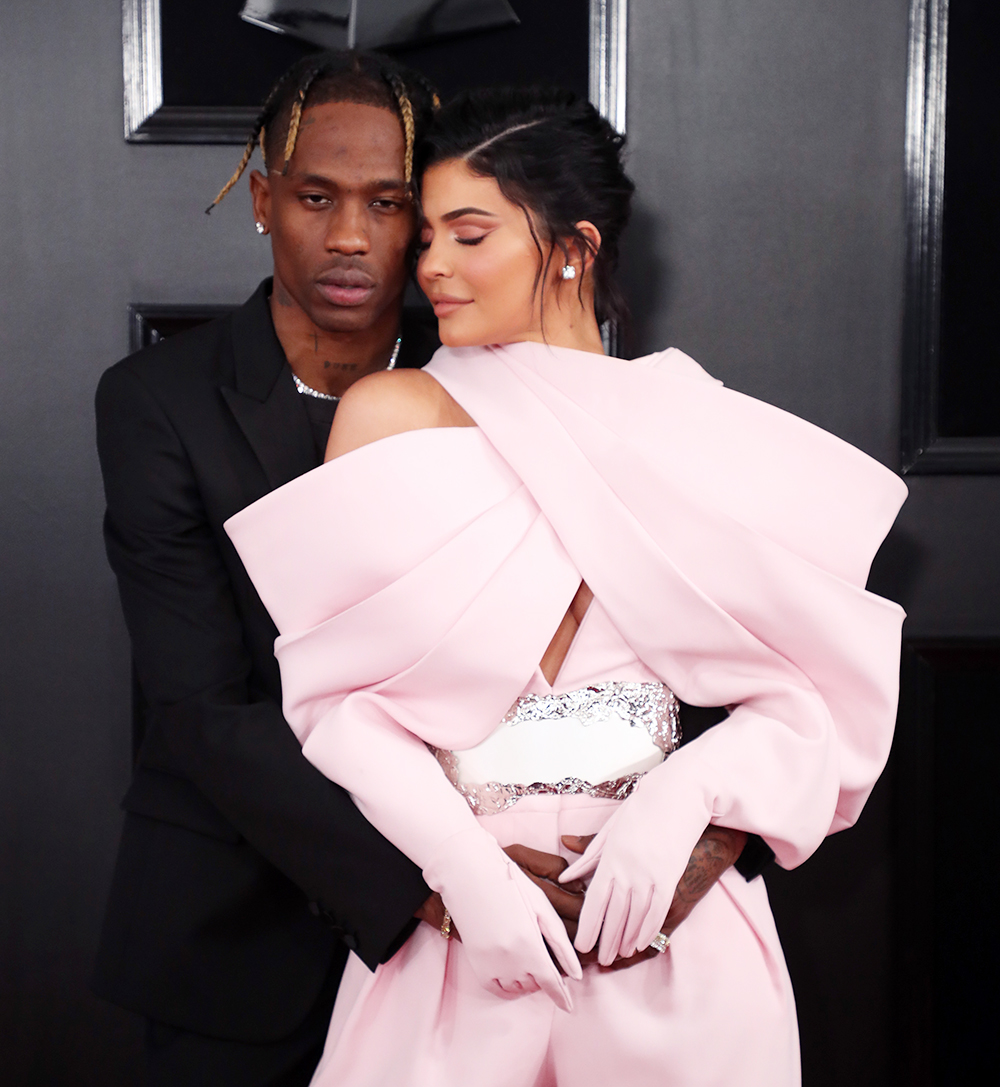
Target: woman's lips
[445,306]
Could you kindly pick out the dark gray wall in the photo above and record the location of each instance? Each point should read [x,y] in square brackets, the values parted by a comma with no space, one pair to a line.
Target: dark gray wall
[767,143]
[767,140]
[87,224]
[767,146]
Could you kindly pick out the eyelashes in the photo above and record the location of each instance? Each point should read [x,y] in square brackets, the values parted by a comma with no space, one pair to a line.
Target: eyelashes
[421,246]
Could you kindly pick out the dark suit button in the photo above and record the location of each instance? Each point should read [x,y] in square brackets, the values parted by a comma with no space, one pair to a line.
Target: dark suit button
[320,911]
[350,941]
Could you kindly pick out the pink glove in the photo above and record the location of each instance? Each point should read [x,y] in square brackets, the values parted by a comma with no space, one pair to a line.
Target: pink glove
[401,789]
[639,855]
[502,930]
[751,772]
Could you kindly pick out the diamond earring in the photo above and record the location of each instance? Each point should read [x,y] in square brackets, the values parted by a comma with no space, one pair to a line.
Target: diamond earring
[568,272]
[261,229]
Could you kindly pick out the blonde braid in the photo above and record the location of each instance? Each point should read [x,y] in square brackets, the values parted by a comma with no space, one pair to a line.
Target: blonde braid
[256,137]
[406,108]
[293,130]
[238,173]
[398,88]
[296,117]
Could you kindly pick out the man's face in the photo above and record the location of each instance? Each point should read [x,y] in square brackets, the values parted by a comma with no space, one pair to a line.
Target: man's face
[340,220]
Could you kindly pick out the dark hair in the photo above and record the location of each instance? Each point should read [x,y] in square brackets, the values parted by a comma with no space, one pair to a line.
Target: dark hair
[553,155]
[349,75]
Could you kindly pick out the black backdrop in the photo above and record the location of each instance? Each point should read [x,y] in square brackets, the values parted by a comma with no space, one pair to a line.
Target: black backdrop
[212,58]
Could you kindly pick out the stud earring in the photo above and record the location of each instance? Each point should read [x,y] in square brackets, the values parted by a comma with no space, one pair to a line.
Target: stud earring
[261,229]
[568,272]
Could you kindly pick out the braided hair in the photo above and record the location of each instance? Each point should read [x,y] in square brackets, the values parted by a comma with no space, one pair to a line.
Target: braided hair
[364,78]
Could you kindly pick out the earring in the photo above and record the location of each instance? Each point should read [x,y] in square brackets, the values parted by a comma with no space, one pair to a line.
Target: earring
[568,272]
[261,229]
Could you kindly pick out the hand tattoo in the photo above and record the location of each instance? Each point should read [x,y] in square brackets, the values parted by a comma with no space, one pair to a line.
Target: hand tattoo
[711,857]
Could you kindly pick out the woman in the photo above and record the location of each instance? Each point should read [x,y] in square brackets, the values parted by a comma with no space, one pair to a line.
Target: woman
[552,543]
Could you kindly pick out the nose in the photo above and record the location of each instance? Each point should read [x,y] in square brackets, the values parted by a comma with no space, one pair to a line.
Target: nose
[347,229]
[431,264]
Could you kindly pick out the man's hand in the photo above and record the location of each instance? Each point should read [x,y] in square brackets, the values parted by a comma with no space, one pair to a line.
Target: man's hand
[717,849]
[432,911]
[544,870]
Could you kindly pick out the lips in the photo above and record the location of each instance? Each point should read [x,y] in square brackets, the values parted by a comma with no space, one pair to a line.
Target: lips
[445,305]
[346,286]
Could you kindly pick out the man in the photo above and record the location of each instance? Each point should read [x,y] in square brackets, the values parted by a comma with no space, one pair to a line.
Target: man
[243,875]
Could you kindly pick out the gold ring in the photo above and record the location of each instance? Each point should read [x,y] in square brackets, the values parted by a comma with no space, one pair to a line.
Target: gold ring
[661,941]
[446,925]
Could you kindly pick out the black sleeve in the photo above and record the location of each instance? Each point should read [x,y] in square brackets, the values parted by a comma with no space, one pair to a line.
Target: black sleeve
[757,854]
[205,723]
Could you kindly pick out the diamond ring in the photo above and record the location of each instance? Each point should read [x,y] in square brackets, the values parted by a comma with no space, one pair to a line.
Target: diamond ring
[661,941]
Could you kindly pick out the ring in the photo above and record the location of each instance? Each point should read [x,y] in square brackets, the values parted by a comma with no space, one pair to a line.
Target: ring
[446,925]
[661,941]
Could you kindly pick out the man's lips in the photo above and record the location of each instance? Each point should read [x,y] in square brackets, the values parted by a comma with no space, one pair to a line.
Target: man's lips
[445,305]
[346,287]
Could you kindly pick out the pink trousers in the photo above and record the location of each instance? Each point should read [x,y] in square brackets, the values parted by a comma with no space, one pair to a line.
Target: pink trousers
[716,1010]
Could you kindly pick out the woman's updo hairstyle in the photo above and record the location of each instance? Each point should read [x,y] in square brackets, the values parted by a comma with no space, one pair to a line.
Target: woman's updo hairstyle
[553,155]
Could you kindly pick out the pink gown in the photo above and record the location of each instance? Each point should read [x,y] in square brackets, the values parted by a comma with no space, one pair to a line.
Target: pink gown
[416,583]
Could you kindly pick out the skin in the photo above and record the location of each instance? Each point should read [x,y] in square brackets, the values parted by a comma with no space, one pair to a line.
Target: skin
[341,222]
[480,268]
[479,263]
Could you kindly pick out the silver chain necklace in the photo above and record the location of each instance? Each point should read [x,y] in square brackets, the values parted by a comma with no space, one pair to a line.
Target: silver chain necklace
[307,390]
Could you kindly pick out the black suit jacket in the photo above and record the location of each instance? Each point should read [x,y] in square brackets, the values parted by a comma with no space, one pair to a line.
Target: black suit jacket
[243,874]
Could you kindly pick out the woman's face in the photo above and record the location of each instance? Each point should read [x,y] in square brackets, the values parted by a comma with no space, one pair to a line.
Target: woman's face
[479,261]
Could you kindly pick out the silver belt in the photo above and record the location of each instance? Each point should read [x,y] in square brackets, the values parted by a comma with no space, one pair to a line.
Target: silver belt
[652,706]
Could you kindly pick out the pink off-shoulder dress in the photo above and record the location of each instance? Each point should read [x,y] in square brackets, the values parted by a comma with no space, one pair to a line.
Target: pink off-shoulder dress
[416,582]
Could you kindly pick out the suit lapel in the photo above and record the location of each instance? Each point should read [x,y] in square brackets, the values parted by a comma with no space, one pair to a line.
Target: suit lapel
[263,399]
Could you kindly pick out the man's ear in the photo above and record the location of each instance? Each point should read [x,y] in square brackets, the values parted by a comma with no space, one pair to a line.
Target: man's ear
[260,196]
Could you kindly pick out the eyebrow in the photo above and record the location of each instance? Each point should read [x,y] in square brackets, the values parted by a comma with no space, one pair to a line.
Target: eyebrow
[459,212]
[378,185]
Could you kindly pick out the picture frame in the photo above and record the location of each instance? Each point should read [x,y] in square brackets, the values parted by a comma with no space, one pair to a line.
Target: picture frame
[151,322]
[950,417]
[182,86]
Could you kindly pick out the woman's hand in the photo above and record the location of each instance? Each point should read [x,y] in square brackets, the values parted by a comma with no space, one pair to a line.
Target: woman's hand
[718,848]
[643,874]
[510,932]
[544,870]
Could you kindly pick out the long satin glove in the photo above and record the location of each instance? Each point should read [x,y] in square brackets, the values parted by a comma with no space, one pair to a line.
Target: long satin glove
[402,791]
[773,767]
[502,932]
[639,856]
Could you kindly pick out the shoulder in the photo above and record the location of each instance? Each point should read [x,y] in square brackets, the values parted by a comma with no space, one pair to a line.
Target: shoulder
[186,359]
[392,402]
[677,364]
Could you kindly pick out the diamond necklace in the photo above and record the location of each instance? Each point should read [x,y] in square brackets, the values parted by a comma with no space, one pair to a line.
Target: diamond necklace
[307,390]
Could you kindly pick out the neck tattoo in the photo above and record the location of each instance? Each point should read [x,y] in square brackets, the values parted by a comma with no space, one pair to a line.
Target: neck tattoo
[307,390]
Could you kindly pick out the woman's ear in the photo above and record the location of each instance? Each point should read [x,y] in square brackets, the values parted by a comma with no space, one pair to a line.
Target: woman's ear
[593,238]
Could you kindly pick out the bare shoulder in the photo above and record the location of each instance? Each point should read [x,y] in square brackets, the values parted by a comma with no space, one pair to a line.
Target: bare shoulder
[391,402]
